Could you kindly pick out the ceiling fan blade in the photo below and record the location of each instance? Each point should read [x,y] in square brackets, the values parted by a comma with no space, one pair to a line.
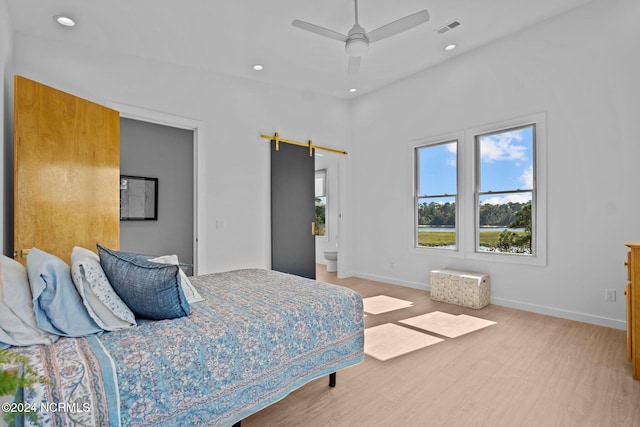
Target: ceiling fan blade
[395,27]
[354,64]
[319,30]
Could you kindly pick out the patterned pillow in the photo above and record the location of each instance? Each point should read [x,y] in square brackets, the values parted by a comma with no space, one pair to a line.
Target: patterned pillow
[18,324]
[103,304]
[151,290]
[56,302]
[189,290]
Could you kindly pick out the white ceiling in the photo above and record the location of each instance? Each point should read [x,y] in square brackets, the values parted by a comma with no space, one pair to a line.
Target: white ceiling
[228,37]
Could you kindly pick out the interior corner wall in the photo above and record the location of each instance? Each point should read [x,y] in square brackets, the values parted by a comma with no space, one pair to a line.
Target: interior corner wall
[6,129]
[233,162]
[581,69]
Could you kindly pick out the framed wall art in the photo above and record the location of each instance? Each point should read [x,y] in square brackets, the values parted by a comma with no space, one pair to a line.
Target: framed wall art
[138,198]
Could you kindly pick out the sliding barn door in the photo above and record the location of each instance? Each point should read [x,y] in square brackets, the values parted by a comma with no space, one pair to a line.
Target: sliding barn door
[293,244]
[66,171]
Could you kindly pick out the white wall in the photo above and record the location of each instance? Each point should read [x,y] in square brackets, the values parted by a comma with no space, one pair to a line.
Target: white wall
[233,162]
[6,118]
[582,70]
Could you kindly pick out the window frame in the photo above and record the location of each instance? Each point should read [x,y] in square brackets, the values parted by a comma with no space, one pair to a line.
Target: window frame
[418,196]
[458,138]
[324,172]
[539,198]
[466,215]
[478,193]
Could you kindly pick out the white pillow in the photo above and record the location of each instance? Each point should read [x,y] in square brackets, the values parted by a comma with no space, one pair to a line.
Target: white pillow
[18,324]
[103,304]
[190,293]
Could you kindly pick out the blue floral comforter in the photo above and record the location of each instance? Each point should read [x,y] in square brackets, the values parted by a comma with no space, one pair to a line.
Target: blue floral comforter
[257,336]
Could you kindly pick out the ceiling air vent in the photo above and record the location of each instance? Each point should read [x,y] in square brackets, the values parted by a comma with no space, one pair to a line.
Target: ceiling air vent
[450,26]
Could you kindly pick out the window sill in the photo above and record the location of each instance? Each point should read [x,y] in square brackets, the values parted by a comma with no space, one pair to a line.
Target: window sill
[501,258]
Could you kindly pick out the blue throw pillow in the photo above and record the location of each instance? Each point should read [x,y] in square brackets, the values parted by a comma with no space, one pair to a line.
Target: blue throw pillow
[149,289]
[56,303]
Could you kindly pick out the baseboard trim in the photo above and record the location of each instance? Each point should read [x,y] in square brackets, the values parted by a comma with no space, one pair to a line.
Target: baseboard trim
[565,314]
[393,281]
[534,308]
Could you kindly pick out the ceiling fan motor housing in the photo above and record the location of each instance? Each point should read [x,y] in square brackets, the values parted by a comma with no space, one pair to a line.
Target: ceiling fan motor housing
[357,43]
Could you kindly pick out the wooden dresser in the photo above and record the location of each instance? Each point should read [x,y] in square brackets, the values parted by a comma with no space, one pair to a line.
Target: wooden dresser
[633,307]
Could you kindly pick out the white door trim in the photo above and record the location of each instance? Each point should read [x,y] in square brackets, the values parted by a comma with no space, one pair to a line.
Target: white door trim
[197,126]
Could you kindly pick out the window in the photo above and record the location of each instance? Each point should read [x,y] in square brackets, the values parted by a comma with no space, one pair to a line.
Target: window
[505,191]
[480,193]
[436,189]
[321,202]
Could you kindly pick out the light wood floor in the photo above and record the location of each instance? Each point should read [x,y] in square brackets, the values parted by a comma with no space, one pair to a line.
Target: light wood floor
[528,370]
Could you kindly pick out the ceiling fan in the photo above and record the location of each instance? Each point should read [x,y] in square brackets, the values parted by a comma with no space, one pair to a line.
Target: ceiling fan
[357,40]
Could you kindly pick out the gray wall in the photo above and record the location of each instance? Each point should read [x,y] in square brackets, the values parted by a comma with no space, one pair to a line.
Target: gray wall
[157,151]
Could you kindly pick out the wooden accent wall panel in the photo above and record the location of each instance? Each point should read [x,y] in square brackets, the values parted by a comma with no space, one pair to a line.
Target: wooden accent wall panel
[66,171]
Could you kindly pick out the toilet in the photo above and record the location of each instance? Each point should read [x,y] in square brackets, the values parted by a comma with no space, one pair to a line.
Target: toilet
[332,261]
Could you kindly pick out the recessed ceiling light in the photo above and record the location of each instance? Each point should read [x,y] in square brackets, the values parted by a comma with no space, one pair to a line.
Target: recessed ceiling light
[64,20]
[450,46]
[257,67]
[353,89]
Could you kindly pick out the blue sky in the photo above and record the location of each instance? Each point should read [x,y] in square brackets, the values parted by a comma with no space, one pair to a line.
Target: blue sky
[506,164]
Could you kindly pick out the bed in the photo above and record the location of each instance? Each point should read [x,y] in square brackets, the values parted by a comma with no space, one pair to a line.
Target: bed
[256,336]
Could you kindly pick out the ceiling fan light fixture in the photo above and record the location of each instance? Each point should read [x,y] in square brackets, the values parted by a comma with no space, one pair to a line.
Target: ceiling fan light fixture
[356,46]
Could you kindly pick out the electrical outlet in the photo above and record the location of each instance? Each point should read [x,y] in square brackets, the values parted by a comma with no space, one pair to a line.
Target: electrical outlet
[610,294]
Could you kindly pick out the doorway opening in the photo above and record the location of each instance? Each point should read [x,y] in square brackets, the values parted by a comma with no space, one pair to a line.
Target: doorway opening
[163,146]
